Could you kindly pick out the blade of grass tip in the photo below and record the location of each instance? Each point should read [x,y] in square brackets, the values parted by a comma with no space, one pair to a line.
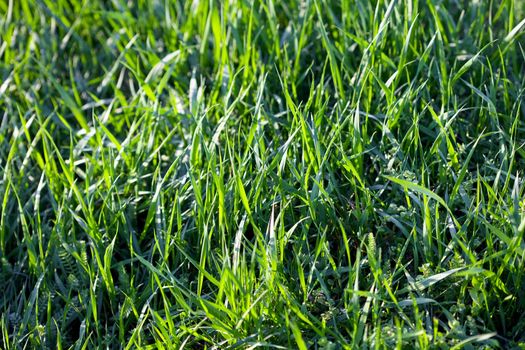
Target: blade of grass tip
[474,339]
[30,305]
[237,244]
[242,194]
[484,97]
[159,67]
[205,273]
[384,22]
[514,32]
[154,204]
[58,335]
[418,301]
[467,65]
[418,188]
[246,204]
[272,247]
[114,140]
[430,281]
[250,308]
[107,77]
[81,336]
[463,171]
[108,255]
[521,227]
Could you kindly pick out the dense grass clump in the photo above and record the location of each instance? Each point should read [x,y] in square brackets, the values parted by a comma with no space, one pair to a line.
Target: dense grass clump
[262,173]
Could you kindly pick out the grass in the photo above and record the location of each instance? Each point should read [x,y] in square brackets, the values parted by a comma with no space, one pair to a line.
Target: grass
[262,173]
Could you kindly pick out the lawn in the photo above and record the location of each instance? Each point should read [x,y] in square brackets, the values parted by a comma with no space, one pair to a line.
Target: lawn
[313,174]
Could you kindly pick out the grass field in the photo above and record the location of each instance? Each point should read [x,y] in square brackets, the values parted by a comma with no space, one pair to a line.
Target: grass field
[312,174]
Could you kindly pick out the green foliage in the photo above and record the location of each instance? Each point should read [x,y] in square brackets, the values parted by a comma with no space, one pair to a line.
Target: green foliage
[261,173]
